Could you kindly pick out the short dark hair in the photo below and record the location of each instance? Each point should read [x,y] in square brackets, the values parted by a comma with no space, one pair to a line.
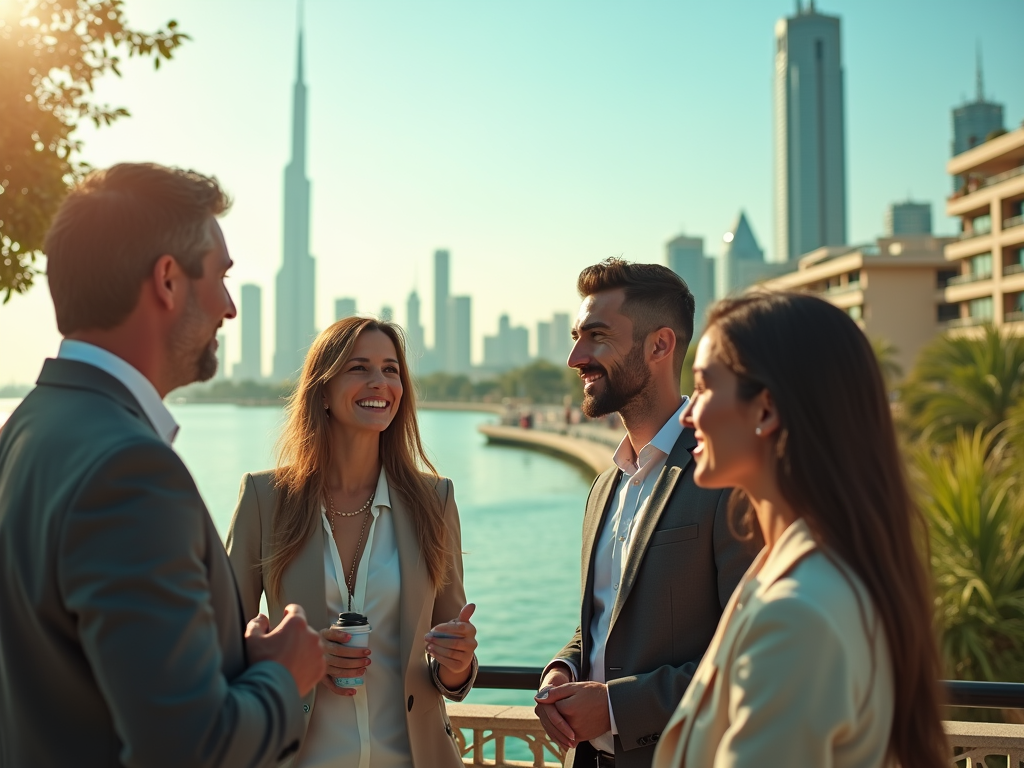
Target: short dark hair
[111,229]
[656,297]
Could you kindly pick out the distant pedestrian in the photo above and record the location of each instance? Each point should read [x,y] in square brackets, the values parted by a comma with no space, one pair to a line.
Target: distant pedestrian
[122,641]
[659,562]
[825,655]
[356,520]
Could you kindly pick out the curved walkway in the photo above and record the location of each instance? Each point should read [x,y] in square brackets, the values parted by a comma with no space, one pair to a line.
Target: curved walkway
[594,456]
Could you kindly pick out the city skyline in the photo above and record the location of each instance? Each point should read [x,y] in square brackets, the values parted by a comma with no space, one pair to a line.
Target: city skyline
[527,170]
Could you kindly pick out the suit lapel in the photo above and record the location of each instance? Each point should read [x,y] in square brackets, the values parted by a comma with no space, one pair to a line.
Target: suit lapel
[664,487]
[600,501]
[304,583]
[415,582]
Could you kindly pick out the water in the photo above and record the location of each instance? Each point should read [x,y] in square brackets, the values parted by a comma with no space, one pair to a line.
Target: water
[521,516]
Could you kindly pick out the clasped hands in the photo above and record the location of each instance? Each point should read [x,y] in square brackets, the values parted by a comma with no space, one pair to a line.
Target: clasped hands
[572,712]
[452,643]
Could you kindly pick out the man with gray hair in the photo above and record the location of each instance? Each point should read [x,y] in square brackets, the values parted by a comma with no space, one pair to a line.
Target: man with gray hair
[122,640]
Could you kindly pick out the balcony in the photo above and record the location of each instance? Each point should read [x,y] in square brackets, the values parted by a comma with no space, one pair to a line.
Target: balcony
[967,322]
[497,727]
[1016,316]
[970,277]
[1013,221]
[975,183]
[847,288]
[1012,269]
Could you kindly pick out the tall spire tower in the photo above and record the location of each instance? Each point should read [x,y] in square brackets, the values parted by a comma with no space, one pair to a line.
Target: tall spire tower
[296,280]
[975,121]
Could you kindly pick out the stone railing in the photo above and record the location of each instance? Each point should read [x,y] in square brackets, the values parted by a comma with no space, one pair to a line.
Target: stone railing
[984,745]
[973,745]
[494,724]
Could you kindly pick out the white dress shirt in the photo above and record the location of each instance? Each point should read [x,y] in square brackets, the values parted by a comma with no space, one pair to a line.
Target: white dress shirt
[367,730]
[640,472]
[141,388]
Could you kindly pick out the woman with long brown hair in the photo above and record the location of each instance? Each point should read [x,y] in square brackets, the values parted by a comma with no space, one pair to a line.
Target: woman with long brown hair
[825,654]
[356,520]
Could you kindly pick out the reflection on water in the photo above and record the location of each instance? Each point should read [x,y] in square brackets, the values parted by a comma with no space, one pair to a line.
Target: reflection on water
[521,518]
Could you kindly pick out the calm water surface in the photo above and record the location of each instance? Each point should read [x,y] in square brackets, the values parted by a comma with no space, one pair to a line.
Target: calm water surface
[521,518]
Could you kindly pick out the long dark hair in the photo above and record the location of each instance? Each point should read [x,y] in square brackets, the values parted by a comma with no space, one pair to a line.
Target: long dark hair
[839,467]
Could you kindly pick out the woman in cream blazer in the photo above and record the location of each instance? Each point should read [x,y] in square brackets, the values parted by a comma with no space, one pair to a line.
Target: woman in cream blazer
[824,655]
[431,738]
[349,522]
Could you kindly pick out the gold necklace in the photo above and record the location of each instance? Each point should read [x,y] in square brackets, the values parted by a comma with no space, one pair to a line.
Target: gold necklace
[333,511]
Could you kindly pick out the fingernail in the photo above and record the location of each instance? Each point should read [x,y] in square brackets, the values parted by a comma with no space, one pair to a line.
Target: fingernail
[541,695]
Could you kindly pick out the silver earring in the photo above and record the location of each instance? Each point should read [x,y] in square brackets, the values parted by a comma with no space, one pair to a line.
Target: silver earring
[757,431]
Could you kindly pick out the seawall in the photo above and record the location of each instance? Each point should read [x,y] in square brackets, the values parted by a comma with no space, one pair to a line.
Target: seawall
[594,456]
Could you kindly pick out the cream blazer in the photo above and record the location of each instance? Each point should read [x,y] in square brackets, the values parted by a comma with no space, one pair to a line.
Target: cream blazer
[798,673]
[431,738]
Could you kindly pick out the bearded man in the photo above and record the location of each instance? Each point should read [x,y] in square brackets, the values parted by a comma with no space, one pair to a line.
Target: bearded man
[659,561]
[122,640]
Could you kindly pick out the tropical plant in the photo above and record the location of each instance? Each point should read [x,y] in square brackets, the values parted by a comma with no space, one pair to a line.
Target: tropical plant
[51,53]
[969,495]
[885,353]
[961,383]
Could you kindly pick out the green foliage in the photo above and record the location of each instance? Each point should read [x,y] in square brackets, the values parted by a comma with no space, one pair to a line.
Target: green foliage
[51,53]
[686,377]
[445,387]
[969,494]
[885,354]
[961,383]
[242,392]
[539,382]
[542,382]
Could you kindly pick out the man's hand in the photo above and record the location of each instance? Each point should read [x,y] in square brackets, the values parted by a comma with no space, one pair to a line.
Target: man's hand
[554,724]
[293,644]
[453,644]
[584,706]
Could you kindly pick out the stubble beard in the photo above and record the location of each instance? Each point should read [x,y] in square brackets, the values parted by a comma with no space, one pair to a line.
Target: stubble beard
[191,362]
[626,388]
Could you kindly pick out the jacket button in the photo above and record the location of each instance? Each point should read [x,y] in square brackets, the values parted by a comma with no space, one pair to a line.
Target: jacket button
[448,729]
[305,707]
[410,704]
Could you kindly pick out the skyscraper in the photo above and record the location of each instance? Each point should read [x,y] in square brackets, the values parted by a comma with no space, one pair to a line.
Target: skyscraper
[810,145]
[742,262]
[685,257]
[387,313]
[250,367]
[908,218]
[510,348]
[460,337]
[222,349]
[415,346]
[561,338]
[296,280]
[974,121]
[441,288]
[344,308]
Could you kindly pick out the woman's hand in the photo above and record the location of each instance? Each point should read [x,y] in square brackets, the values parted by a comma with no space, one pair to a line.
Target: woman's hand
[342,661]
[453,645]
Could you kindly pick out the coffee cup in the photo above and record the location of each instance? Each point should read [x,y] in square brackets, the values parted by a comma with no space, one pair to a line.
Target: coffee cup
[358,628]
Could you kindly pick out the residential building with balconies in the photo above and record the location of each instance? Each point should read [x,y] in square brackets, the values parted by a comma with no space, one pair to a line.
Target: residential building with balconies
[893,289]
[988,256]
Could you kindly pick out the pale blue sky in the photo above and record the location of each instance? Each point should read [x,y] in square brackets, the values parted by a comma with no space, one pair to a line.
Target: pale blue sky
[530,138]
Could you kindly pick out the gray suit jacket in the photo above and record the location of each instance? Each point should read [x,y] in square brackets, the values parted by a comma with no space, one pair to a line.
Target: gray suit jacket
[121,631]
[683,565]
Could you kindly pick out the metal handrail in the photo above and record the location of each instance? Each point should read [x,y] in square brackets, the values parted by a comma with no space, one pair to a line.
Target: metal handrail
[959,693]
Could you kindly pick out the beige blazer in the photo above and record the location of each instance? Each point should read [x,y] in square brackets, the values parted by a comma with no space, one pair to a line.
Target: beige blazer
[790,677]
[431,738]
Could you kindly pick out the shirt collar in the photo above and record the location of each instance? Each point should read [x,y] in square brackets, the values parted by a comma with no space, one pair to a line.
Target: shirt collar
[663,442]
[381,496]
[139,386]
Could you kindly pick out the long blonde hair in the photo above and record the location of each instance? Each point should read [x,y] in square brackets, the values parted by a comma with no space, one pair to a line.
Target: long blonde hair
[304,454]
